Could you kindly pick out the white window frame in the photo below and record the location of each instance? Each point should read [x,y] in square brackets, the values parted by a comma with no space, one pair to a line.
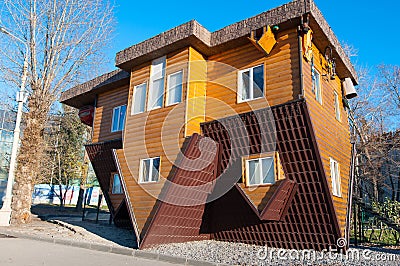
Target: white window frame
[251,89]
[133,99]
[335,177]
[167,103]
[141,177]
[336,105]
[317,91]
[261,170]
[161,60]
[119,121]
[113,183]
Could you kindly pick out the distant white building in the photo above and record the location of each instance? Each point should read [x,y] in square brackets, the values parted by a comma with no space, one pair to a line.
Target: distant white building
[7,124]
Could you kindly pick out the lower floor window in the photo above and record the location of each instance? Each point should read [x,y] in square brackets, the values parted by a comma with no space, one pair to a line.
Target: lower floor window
[116,185]
[335,176]
[260,171]
[150,170]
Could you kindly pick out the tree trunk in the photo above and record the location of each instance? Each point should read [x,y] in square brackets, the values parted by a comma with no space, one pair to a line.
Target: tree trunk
[79,203]
[85,171]
[28,161]
[61,196]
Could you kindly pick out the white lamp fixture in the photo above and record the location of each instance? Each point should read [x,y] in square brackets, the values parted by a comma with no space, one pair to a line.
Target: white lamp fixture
[349,90]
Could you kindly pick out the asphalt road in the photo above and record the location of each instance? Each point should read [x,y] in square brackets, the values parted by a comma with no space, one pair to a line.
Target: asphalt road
[23,252]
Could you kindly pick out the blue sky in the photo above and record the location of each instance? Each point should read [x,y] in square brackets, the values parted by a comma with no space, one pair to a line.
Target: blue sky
[373,29]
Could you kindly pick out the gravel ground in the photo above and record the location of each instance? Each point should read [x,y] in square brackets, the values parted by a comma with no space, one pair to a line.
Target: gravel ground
[242,254]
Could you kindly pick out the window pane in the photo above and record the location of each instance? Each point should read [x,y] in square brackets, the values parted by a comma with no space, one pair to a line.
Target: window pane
[139,98]
[175,88]
[145,170]
[156,167]
[115,119]
[116,189]
[337,178]
[313,79]
[122,114]
[258,81]
[254,172]
[156,94]
[317,85]
[245,85]
[158,68]
[337,110]
[268,172]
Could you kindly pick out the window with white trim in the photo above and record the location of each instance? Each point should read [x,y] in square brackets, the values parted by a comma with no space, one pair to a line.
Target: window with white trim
[149,170]
[316,84]
[336,105]
[118,118]
[251,83]
[156,87]
[116,185]
[139,98]
[174,91]
[260,171]
[335,176]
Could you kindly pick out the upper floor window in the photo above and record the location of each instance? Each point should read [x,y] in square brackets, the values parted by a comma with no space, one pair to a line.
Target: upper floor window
[336,105]
[139,98]
[251,83]
[174,92]
[335,176]
[260,171]
[116,185]
[156,88]
[118,118]
[316,84]
[149,170]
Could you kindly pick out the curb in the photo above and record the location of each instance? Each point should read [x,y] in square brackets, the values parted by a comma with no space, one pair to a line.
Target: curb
[113,249]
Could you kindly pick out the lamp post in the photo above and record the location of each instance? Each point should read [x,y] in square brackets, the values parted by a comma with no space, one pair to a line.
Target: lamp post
[5,212]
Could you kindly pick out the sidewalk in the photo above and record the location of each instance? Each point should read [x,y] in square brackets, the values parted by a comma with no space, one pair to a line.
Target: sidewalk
[73,229]
[42,253]
[70,232]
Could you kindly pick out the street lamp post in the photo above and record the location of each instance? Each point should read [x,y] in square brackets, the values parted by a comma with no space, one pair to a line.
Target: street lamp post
[5,212]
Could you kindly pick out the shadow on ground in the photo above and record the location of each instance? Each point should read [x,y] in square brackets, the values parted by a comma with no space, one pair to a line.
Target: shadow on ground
[102,228]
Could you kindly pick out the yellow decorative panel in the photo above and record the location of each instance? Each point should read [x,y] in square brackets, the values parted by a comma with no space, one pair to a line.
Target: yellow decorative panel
[196,92]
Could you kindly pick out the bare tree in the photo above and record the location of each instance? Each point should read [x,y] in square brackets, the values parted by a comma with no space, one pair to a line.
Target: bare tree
[64,40]
[390,76]
[375,114]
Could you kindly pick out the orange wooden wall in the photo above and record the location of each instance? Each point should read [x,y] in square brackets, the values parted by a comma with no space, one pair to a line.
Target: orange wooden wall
[281,76]
[157,133]
[332,136]
[103,115]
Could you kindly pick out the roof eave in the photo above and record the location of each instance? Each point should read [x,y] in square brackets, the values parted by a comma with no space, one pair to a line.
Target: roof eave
[85,93]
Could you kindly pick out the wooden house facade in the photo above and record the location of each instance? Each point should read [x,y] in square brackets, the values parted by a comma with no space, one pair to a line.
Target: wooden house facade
[236,135]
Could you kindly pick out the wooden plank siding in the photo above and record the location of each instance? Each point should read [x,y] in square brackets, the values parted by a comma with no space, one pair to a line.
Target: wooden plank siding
[156,133]
[333,136]
[106,102]
[281,76]
[116,199]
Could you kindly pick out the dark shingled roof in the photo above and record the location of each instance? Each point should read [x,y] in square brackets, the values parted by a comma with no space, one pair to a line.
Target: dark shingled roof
[85,93]
[195,35]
